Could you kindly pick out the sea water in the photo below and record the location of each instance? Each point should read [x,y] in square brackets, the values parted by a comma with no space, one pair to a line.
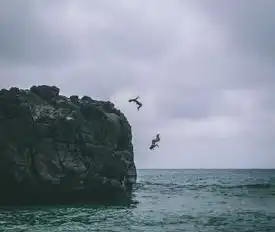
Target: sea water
[167,200]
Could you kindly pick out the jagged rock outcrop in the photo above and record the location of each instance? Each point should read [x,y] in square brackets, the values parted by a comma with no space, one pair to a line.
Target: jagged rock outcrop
[59,149]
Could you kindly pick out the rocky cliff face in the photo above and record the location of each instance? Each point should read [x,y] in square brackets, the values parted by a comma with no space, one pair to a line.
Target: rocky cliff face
[59,149]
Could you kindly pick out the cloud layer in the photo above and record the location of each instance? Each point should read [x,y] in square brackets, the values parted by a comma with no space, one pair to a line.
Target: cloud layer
[203,69]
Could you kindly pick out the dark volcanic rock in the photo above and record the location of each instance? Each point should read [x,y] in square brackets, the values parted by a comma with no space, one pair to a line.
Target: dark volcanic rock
[55,149]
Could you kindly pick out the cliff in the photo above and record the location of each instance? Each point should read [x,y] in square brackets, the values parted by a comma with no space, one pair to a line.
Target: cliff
[55,149]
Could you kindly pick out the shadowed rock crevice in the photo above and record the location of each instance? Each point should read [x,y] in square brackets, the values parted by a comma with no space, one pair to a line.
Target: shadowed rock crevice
[62,150]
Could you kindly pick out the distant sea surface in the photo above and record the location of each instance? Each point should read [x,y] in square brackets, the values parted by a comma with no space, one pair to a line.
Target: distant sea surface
[167,200]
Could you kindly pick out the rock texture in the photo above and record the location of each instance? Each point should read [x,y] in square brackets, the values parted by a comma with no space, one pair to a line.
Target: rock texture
[55,149]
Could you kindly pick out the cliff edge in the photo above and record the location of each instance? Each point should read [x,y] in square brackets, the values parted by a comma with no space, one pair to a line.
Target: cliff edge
[55,149]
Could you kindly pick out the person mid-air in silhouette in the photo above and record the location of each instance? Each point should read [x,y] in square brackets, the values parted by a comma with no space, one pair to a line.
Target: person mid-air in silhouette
[154,142]
[136,101]
[152,147]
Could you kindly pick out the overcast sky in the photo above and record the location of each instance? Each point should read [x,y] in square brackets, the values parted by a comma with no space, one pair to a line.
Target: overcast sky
[205,70]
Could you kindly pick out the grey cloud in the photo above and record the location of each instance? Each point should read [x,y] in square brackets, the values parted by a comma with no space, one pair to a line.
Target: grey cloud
[25,40]
[196,91]
[129,34]
[108,52]
[252,24]
[187,103]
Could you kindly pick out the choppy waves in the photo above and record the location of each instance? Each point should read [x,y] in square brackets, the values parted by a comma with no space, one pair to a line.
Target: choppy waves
[148,185]
[170,201]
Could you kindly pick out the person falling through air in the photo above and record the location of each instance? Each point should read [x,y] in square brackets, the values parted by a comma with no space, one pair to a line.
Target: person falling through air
[152,147]
[154,142]
[136,101]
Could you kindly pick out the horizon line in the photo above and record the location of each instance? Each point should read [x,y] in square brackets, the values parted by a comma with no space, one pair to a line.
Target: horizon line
[205,168]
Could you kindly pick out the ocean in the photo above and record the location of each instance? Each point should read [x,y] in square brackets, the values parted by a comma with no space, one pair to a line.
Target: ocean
[167,200]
